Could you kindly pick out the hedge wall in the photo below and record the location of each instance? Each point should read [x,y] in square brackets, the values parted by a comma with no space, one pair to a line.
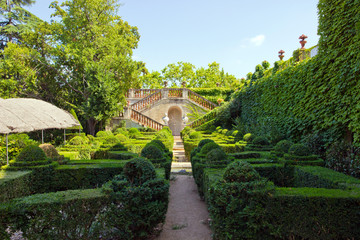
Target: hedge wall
[291,211]
[321,93]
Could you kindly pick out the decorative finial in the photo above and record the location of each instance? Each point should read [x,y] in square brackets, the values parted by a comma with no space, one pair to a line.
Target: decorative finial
[303,42]
[281,54]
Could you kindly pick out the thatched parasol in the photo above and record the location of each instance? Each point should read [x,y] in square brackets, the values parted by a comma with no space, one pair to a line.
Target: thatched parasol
[27,114]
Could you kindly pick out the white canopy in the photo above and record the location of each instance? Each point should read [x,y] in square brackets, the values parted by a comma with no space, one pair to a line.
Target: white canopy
[27,114]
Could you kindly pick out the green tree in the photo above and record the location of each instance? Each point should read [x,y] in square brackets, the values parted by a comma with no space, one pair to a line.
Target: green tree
[152,80]
[176,74]
[92,49]
[15,20]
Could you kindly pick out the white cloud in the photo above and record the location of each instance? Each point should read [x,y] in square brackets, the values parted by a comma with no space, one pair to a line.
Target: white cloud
[258,40]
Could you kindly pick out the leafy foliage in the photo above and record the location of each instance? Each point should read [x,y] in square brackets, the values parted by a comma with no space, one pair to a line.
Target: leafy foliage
[31,153]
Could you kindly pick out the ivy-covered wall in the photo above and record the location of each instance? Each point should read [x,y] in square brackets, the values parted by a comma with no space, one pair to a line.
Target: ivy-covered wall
[318,94]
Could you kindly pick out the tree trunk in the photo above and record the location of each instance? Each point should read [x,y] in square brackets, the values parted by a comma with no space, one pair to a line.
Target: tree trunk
[91,126]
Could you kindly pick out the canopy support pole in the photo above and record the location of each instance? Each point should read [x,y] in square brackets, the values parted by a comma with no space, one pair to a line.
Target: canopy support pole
[7,150]
[64,135]
[42,136]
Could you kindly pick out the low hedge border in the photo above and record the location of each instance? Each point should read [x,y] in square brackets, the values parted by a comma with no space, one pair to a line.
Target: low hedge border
[295,212]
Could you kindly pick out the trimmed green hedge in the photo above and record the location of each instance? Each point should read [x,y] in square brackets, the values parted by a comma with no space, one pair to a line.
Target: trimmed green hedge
[292,211]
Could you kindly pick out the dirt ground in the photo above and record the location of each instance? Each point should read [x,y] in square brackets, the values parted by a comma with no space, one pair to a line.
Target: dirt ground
[187,216]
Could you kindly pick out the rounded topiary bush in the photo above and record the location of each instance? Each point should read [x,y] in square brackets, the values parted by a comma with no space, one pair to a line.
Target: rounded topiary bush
[195,135]
[91,138]
[121,137]
[240,171]
[31,153]
[49,150]
[139,170]
[167,129]
[79,140]
[203,142]
[283,146]
[122,131]
[111,140]
[208,147]
[152,152]
[159,144]
[104,134]
[261,141]
[118,147]
[185,133]
[248,137]
[299,150]
[216,155]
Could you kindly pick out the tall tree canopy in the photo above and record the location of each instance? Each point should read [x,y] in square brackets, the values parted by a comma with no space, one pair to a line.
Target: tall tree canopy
[15,20]
[176,74]
[81,60]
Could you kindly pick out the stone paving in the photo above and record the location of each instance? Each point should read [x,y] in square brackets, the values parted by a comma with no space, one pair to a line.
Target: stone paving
[187,217]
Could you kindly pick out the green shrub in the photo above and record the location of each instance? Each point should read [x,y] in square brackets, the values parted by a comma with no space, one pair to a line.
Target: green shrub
[111,140]
[261,141]
[299,150]
[103,134]
[216,155]
[122,131]
[49,150]
[203,142]
[31,153]
[122,138]
[283,146]
[152,152]
[240,171]
[159,143]
[195,135]
[248,137]
[79,140]
[118,147]
[90,137]
[208,147]
[185,133]
[139,170]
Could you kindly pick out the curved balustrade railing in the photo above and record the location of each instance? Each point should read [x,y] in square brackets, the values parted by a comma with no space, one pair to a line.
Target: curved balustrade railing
[175,92]
[201,100]
[140,93]
[145,120]
[147,101]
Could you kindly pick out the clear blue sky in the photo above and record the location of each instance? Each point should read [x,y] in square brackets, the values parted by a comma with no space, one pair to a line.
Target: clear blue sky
[238,34]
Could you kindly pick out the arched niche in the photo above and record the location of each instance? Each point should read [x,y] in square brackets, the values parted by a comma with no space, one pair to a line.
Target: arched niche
[175,120]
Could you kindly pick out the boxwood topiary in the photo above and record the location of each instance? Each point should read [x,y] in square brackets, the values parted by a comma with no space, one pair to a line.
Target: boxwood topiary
[261,141]
[203,142]
[283,146]
[104,134]
[121,137]
[111,140]
[299,150]
[216,155]
[195,135]
[31,153]
[49,150]
[248,137]
[152,152]
[208,147]
[79,140]
[159,144]
[240,171]
[139,170]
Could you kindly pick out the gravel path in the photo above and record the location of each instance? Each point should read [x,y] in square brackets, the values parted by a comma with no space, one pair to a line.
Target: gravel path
[187,215]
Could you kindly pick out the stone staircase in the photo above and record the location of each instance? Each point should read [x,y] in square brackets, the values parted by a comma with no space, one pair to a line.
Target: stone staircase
[180,163]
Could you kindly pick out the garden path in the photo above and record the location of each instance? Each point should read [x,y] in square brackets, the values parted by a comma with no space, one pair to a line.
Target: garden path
[187,217]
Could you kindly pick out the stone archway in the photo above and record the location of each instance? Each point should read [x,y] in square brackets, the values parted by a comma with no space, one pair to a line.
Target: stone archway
[175,120]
